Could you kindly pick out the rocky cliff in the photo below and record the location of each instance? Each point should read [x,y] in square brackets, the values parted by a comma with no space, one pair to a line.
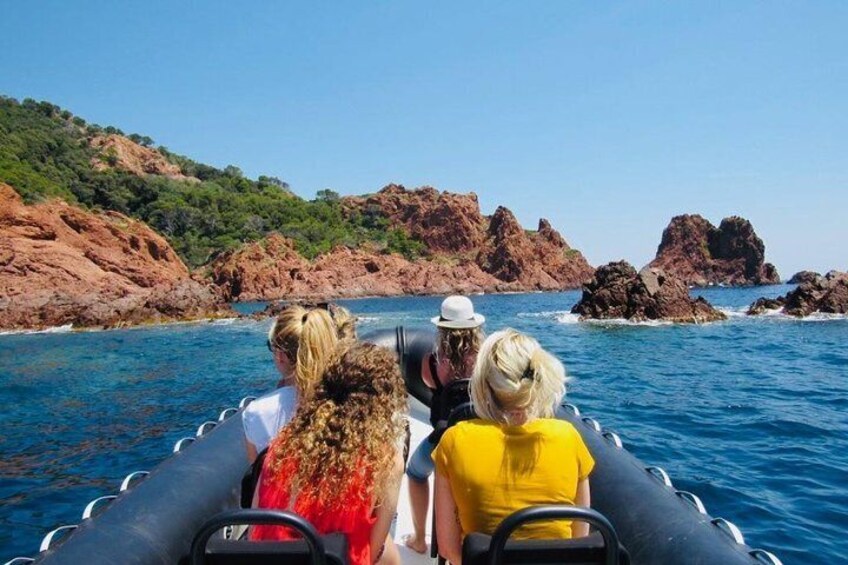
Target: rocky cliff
[62,265]
[465,252]
[617,291]
[272,269]
[701,254]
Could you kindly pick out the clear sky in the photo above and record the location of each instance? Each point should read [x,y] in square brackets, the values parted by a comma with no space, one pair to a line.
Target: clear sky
[607,118]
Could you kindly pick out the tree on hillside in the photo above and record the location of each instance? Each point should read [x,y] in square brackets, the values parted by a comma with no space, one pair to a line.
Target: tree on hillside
[327,195]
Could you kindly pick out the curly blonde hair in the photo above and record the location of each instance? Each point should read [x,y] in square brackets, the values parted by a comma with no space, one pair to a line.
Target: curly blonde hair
[346,432]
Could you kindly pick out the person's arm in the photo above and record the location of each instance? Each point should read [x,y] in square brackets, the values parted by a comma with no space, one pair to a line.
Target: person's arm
[447,523]
[251,451]
[583,498]
[386,513]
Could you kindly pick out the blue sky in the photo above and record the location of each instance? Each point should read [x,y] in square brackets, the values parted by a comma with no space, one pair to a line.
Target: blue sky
[606,118]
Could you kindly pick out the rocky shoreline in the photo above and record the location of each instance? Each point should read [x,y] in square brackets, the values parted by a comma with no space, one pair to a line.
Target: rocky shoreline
[60,265]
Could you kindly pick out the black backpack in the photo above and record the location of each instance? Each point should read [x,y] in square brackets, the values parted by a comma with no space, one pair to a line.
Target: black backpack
[451,403]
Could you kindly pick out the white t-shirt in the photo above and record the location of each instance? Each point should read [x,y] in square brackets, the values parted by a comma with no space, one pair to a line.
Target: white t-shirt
[266,415]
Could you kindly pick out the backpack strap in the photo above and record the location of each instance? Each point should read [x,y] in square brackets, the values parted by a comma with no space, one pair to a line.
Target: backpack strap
[434,372]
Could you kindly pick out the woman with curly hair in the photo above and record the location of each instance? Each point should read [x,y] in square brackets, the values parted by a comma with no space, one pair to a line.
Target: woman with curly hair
[336,462]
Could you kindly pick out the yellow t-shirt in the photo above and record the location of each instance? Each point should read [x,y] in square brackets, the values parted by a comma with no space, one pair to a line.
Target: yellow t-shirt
[494,469]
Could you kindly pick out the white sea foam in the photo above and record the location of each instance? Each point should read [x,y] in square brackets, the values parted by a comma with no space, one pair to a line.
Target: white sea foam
[546,314]
[733,312]
[623,322]
[366,320]
[54,330]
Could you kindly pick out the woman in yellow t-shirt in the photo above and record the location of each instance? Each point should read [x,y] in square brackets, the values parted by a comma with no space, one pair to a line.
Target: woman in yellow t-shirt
[515,454]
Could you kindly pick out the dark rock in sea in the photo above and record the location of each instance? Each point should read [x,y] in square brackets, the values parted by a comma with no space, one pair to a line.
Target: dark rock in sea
[763,305]
[701,254]
[618,291]
[804,277]
[827,294]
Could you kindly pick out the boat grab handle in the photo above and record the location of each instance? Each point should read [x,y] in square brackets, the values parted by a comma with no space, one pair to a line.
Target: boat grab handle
[125,484]
[89,508]
[729,528]
[764,556]
[48,539]
[660,474]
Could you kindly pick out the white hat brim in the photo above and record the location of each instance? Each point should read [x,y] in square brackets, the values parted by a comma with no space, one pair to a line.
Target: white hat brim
[476,321]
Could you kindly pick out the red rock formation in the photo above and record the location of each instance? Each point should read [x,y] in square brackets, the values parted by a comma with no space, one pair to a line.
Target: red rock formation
[451,224]
[443,221]
[701,254]
[60,264]
[540,261]
[618,291]
[468,253]
[119,152]
[272,269]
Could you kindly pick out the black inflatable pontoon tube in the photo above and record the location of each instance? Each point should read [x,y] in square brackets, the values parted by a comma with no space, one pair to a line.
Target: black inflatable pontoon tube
[155,520]
[253,517]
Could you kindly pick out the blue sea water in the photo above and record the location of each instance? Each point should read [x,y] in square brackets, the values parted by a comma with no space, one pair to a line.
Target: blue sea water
[751,414]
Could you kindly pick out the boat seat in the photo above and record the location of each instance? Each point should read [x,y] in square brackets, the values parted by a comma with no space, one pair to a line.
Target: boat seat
[312,549]
[601,547]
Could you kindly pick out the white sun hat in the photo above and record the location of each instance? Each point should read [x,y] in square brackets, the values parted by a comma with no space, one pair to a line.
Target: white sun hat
[458,313]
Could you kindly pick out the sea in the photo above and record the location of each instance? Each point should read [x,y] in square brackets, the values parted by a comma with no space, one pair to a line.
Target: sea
[750,414]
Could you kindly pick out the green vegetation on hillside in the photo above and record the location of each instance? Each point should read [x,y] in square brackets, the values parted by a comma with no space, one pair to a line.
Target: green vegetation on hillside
[45,153]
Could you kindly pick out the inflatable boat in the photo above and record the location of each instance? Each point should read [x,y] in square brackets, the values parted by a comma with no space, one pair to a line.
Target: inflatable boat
[186,510]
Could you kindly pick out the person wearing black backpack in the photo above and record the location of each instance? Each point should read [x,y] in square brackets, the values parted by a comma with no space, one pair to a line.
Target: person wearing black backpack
[447,372]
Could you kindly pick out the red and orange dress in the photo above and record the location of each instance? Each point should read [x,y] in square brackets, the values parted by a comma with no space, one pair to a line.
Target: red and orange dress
[352,516]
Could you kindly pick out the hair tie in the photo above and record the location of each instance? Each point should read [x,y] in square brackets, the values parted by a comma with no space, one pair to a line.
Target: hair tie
[529,373]
[303,320]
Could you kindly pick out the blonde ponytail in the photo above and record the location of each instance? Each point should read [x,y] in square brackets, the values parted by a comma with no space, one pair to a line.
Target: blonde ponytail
[308,338]
[514,375]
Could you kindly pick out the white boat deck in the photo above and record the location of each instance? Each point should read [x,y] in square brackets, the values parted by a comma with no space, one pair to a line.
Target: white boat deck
[420,428]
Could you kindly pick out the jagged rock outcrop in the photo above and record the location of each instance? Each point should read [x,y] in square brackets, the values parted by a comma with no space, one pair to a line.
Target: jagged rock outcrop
[62,265]
[701,254]
[827,294]
[119,152]
[466,252]
[452,225]
[539,261]
[618,291]
[443,221]
[804,277]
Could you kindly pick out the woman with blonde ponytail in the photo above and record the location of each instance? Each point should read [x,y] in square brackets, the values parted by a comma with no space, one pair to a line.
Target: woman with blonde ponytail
[301,341]
[516,454]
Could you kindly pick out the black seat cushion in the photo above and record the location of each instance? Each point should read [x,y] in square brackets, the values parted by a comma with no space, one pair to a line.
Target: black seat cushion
[581,551]
[242,552]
